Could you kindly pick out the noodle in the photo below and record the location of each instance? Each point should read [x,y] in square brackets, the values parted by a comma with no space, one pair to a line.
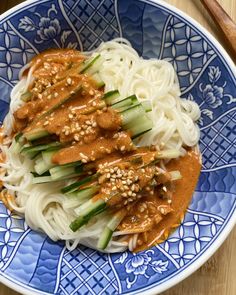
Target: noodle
[174,126]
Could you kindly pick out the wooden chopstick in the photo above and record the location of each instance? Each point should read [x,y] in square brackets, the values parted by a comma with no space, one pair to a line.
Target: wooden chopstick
[224,22]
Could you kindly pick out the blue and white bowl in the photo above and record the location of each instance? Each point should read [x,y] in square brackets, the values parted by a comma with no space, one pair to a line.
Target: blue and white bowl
[30,262]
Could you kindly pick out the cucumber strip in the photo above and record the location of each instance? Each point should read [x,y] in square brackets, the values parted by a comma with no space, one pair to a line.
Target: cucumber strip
[139,126]
[19,137]
[128,101]
[147,106]
[74,186]
[109,229]
[90,206]
[15,146]
[78,223]
[93,208]
[39,148]
[63,172]
[26,96]
[175,175]
[99,83]
[132,113]
[41,167]
[111,97]
[42,179]
[168,154]
[76,166]
[35,134]
[91,65]
[48,154]
[84,193]
[105,238]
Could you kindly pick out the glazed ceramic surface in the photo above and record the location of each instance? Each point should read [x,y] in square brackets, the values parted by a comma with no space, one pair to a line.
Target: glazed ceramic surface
[30,262]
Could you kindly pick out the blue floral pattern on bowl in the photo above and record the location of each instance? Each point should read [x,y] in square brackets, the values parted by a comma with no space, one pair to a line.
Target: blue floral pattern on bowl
[31,260]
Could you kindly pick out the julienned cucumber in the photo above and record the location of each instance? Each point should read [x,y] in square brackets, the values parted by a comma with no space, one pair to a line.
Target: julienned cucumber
[89,209]
[125,103]
[132,113]
[59,172]
[84,193]
[76,185]
[111,97]
[109,229]
[91,65]
[139,126]
[40,147]
[90,206]
[36,133]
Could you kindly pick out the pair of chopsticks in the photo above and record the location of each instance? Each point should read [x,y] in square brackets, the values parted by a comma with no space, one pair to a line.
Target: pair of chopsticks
[224,22]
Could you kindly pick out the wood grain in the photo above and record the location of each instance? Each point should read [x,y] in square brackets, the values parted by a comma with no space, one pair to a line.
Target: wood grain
[224,22]
[217,275]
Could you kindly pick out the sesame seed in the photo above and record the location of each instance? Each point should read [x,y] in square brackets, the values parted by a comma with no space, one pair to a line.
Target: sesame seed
[45,123]
[82,133]
[133,195]
[108,175]
[70,116]
[164,188]
[84,161]
[69,81]
[40,96]
[94,124]
[124,194]
[55,94]
[94,103]
[130,200]
[130,193]
[91,92]
[162,210]
[122,148]
[76,137]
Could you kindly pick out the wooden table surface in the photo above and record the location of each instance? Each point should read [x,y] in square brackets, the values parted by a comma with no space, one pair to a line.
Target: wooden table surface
[217,275]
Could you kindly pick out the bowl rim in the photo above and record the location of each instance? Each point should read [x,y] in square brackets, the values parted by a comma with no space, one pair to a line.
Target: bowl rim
[231,219]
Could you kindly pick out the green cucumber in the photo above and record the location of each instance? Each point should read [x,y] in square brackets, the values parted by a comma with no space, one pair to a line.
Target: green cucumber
[74,186]
[131,114]
[109,229]
[91,65]
[39,148]
[26,96]
[90,206]
[125,103]
[139,126]
[36,134]
[89,209]
[99,83]
[111,97]
[84,193]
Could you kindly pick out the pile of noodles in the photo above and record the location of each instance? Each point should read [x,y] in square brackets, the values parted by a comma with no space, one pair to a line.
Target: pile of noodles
[174,127]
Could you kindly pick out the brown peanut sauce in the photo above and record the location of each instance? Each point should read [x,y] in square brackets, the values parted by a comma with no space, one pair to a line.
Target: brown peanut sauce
[189,167]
